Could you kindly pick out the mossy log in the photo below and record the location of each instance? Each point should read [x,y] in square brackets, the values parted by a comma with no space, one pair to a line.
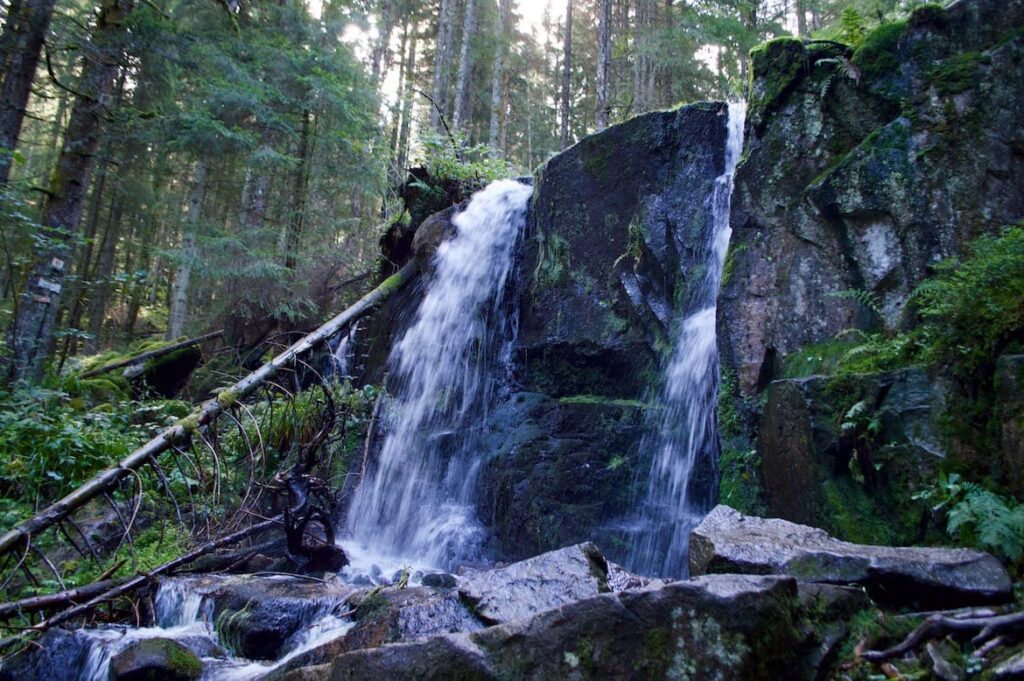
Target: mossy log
[202,416]
[152,354]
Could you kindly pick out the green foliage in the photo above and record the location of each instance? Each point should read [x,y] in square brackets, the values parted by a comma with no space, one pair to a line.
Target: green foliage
[448,159]
[974,307]
[957,73]
[54,440]
[978,517]
[851,27]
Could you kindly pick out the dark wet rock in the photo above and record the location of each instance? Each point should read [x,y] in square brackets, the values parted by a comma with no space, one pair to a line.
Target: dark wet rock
[59,656]
[827,611]
[729,542]
[434,230]
[863,185]
[156,658]
[440,580]
[1010,396]
[811,470]
[255,616]
[537,584]
[719,626]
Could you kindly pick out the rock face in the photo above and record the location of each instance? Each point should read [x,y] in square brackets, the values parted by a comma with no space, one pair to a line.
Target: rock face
[156,658]
[545,582]
[851,184]
[727,541]
[848,481]
[715,627]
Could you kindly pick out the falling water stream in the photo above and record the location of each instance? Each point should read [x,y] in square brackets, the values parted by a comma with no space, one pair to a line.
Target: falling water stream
[417,500]
[686,428]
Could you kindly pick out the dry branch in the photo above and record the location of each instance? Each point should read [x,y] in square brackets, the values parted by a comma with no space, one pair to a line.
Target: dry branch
[152,354]
[202,416]
[983,629]
[52,601]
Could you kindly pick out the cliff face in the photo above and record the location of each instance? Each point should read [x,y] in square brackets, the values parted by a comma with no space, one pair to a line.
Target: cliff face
[863,169]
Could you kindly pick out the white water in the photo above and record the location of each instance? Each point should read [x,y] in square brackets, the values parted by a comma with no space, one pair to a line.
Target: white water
[687,429]
[183,614]
[340,363]
[417,501]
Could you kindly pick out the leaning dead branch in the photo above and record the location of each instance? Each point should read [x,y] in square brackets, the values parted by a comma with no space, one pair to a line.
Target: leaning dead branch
[201,417]
[152,354]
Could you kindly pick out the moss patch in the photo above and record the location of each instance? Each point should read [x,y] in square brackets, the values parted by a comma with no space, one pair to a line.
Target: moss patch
[877,55]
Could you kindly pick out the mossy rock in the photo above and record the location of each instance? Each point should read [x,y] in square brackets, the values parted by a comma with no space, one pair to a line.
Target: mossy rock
[156,659]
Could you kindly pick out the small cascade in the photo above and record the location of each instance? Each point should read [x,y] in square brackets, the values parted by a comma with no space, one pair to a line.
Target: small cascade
[339,364]
[417,501]
[686,429]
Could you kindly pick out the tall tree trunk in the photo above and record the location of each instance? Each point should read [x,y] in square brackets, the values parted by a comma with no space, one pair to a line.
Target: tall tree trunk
[405,132]
[801,18]
[442,65]
[19,76]
[465,55]
[604,63]
[104,273]
[566,75]
[396,110]
[380,50]
[32,329]
[183,274]
[294,232]
[498,74]
[11,29]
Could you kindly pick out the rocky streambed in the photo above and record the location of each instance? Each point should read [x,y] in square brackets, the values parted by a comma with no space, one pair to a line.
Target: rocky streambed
[769,599]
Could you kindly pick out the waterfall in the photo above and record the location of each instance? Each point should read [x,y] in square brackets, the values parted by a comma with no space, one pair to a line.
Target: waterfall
[685,429]
[417,500]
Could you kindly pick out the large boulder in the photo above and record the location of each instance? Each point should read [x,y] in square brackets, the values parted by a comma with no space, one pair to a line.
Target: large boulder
[256,616]
[537,584]
[715,627]
[729,542]
[820,466]
[860,177]
[153,659]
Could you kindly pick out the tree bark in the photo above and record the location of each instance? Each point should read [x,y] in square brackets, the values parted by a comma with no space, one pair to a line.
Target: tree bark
[801,19]
[32,329]
[294,232]
[11,29]
[604,63]
[183,275]
[101,277]
[21,71]
[380,50]
[442,65]
[498,74]
[465,57]
[566,75]
[405,131]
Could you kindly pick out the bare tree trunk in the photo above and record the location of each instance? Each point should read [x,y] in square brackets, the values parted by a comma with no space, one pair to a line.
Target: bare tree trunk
[566,75]
[801,19]
[12,28]
[182,276]
[32,328]
[380,50]
[102,276]
[442,65]
[498,74]
[410,83]
[465,54]
[21,71]
[604,63]
[295,220]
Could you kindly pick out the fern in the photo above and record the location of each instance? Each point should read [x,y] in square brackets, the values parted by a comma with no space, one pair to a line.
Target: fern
[986,520]
[866,298]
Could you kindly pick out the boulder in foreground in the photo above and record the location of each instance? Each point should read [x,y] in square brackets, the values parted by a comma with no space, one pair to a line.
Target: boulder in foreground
[728,541]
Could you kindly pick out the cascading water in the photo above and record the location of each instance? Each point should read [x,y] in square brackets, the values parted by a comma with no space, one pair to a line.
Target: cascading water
[417,501]
[686,427]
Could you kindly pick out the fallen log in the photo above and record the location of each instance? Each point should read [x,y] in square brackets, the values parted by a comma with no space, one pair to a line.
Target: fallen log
[34,604]
[201,416]
[152,354]
[136,582]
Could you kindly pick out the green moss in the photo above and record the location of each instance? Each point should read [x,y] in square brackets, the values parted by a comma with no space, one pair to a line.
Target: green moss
[775,67]
[603,401]
[553,260]
[877,56]
[740,484]
[227,398]
[956,74]
[817,359]
[598,158]
[931,15]
[853,515]
[731,255]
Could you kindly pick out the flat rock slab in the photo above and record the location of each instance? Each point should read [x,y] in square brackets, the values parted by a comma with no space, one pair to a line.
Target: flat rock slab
[728,541]
[541,583]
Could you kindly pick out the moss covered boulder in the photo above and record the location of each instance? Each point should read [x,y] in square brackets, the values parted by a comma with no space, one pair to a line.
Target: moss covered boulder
[156,659]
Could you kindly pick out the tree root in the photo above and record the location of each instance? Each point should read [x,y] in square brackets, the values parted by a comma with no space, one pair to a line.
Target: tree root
[984,631]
